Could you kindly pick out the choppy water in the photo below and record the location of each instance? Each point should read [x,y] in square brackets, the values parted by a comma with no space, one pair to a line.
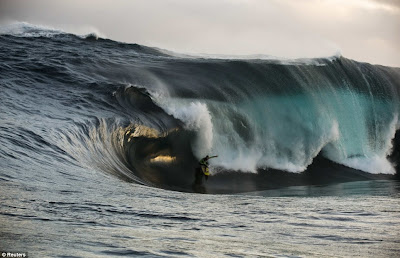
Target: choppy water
[96,215]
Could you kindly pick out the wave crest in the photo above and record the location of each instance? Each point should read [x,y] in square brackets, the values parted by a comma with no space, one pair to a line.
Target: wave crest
[25,29]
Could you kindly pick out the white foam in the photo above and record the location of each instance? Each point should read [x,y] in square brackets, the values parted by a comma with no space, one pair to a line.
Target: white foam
[393,127]
[85,31]
[25,29]
[373,165]
[372,161]
[196,117]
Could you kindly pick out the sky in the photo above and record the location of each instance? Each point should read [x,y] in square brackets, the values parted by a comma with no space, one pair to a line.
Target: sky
[363,30]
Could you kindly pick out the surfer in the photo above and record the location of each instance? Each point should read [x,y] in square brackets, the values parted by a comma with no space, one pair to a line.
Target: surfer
[204,165]
[201,172]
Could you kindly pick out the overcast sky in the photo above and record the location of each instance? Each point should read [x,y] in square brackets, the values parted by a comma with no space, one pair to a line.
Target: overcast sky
[364,30]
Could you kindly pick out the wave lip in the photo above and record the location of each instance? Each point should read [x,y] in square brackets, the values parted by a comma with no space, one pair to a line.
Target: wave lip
[24,29]
[320,61]
[28,30]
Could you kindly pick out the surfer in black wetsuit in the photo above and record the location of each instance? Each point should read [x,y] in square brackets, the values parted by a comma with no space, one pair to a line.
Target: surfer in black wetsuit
[204,165]
[201,172]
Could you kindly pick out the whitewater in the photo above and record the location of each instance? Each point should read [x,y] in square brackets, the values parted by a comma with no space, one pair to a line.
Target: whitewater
[100,142]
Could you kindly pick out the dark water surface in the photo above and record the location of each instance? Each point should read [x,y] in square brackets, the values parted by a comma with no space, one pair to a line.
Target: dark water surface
[97,215]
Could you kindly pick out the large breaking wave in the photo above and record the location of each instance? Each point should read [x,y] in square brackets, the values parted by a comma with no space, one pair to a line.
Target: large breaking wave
[147,116]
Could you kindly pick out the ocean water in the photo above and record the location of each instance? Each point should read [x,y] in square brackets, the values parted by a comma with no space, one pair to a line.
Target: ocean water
[96,215]
[100,142]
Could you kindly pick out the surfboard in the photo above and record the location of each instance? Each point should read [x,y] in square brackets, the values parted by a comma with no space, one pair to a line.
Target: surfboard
[205,170]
